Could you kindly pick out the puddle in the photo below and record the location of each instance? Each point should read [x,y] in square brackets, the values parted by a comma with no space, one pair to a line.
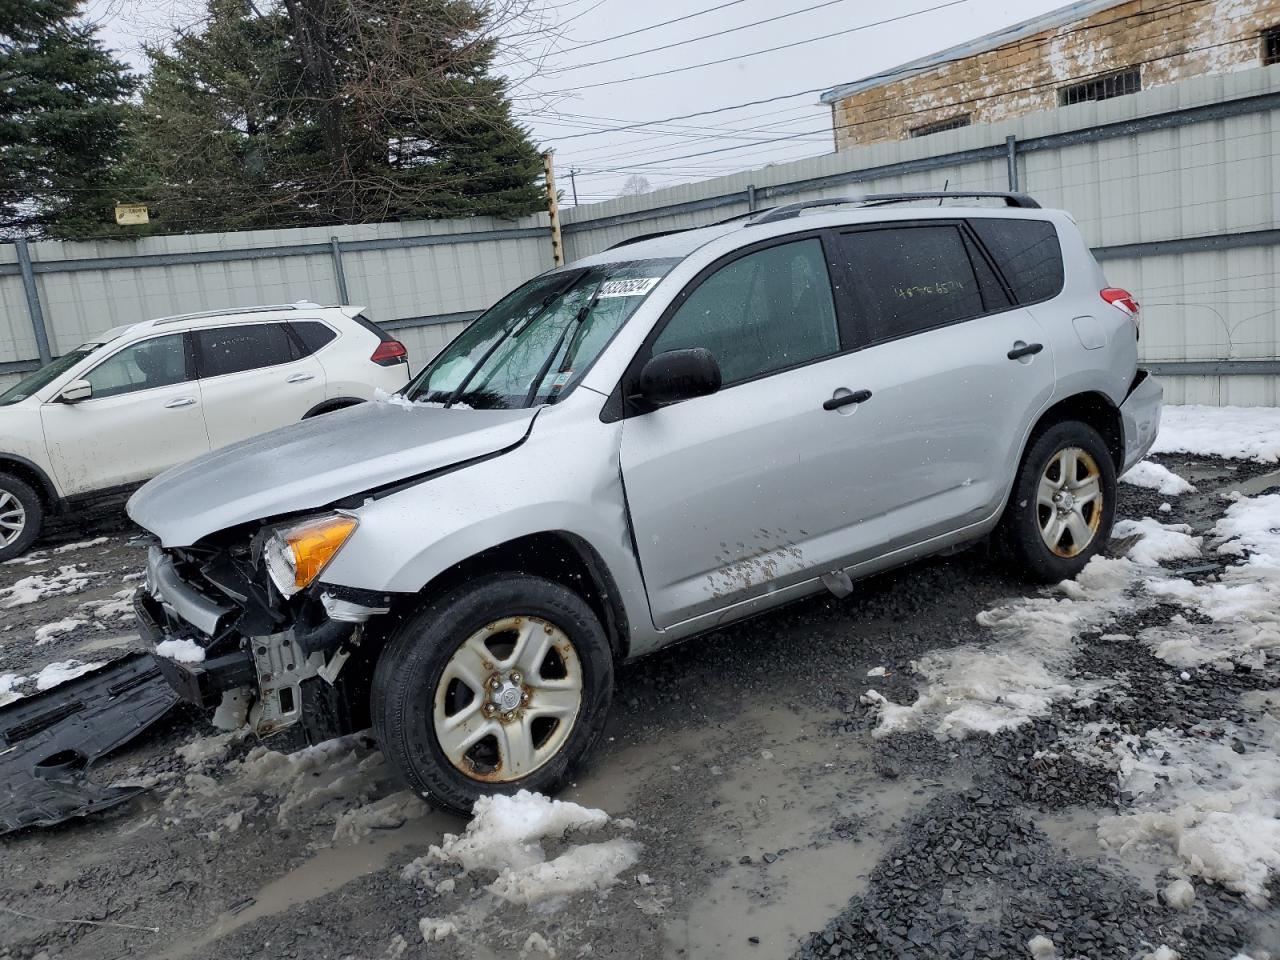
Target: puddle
[1075,831]
[786,798]
[326,871]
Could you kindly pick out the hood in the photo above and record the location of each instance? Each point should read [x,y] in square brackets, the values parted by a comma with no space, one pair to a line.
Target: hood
[311,464]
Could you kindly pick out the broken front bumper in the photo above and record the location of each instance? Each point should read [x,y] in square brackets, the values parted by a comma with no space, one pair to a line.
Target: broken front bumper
[312,637]
[1140,417]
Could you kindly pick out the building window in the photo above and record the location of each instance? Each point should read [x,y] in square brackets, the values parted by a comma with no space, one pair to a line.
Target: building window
[1102,88]
[951,123]
[1271,46]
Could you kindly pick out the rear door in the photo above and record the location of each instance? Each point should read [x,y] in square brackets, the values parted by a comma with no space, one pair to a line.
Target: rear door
[145,416]
[935,445]
[255,377]
[719,487]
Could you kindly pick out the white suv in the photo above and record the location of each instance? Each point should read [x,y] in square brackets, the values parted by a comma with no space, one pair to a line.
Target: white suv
[128,405]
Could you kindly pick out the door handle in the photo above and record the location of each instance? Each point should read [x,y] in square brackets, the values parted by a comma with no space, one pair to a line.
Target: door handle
[300,377]
[180,402]
[1024,350]
[835,403]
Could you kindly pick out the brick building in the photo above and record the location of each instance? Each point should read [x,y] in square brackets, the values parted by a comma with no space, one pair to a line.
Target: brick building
[1088,50]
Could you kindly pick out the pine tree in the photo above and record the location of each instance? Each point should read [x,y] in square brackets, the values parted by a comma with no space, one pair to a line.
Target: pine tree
[62,115]
[319,112]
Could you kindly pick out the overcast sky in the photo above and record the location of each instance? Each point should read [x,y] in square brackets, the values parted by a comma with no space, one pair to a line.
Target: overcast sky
[561,103]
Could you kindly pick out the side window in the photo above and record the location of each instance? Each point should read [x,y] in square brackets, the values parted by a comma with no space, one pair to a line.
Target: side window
[1028,254]
[908,279]
[159,362]
[248,346]
[763,312]
[313,334]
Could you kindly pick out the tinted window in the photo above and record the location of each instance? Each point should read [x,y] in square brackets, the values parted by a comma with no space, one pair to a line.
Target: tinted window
[907,279]
[246,347]
[160,362]
[372,327]
[312,333]
[1028,254]
[768,310]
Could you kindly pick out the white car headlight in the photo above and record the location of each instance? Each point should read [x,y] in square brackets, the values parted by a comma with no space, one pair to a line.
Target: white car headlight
[295,556]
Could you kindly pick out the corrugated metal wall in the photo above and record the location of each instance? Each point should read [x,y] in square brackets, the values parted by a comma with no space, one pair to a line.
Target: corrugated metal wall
[1210,178]
[1176,188]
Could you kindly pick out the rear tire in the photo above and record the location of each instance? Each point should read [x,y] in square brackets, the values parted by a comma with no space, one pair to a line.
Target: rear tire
[544,671]
[1062,506]
[21,516]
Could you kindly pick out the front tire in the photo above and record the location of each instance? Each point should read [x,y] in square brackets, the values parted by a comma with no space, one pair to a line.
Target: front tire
[498,686]
[21,516]
[1062,506]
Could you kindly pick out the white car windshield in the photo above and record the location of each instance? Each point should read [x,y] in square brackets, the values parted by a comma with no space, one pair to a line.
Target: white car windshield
[531,346]
[46,374]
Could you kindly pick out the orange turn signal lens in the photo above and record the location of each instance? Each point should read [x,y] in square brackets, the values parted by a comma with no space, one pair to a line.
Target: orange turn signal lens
[313,545]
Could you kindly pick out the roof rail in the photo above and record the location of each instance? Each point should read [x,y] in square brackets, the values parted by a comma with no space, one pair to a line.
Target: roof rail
[790,210]
[646,236]
[265,308]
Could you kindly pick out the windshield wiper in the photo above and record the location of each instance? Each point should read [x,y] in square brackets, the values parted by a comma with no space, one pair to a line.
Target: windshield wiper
[466,381]
[573,323]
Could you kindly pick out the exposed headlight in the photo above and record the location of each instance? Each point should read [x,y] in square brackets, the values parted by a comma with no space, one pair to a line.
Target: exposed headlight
[296,555]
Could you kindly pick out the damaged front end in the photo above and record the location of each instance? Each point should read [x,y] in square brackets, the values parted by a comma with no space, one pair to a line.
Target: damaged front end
[250,628]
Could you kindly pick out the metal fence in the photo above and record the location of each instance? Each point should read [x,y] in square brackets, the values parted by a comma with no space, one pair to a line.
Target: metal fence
[425,280]
[1174,187]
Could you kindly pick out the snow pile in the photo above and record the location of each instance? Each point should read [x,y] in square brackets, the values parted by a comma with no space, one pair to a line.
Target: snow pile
[61,672]
[38,586]
[506,835]
[56,629]
[1001,686]
[1240,603]
[7,682]
[119,604]
[1157,541]
[387,813]
[1240,433]
[400,400]
[1153,476]
[1213,798]
[68,547]
[183,650]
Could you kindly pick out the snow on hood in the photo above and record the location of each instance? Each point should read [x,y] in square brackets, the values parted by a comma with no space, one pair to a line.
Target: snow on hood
[309,465]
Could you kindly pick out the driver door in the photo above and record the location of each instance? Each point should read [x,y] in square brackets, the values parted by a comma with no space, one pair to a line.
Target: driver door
[145,416]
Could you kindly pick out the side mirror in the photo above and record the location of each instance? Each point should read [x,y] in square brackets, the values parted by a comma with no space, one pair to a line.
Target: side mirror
[678,375]
[75,391]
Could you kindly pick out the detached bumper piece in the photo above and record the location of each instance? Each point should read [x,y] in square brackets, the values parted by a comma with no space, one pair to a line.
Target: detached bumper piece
[49,741]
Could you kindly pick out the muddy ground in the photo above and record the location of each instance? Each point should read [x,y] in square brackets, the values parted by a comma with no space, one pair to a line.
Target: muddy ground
[772,821]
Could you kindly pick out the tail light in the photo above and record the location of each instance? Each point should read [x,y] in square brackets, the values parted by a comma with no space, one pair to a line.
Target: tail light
[389,353]
[1124,300]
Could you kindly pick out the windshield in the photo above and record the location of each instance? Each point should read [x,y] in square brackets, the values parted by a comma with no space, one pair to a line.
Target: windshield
[46,374]
[539,339]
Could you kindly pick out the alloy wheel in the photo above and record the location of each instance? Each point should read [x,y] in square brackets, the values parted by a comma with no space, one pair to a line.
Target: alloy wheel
[1069,502]
[508,699]
[13,518]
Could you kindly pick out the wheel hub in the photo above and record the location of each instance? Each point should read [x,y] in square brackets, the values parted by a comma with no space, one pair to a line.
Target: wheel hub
[505,694]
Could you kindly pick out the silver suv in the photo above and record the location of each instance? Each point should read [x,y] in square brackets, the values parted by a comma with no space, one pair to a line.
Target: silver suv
[649,443]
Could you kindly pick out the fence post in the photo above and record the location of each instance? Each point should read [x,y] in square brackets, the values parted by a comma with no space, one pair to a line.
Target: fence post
[33,301]
[751,197]
[1011,147]
[335,248]
[553,208]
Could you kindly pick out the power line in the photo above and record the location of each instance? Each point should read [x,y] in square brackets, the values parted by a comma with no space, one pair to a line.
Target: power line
[705,36]
[783,46]
[911,113]
[654,26]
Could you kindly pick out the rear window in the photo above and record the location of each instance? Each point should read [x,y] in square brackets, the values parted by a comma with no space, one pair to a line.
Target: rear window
[247,346]
[372,327]
[910,279]
[1028,253]
[312,333]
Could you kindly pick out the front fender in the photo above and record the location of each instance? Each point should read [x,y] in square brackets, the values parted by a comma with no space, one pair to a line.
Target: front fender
[551,483]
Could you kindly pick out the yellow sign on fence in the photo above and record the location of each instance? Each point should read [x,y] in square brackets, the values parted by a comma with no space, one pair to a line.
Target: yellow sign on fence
[131,214]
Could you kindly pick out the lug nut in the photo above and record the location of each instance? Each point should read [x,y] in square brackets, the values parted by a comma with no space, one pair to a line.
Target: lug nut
[524,697]
[515,677]
[509,716]
[489,709]
[495,684]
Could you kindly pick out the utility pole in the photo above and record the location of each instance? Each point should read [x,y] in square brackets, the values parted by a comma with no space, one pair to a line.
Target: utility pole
[573,172]
[553,208]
